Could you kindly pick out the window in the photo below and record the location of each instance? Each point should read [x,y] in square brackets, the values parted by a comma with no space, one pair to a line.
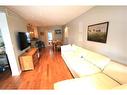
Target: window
[49,36]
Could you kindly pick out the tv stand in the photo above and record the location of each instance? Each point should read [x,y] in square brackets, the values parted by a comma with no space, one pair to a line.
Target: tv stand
[29,59]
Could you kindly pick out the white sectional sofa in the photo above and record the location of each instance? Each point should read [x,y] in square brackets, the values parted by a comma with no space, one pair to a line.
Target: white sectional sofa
[82,62]
[91,70]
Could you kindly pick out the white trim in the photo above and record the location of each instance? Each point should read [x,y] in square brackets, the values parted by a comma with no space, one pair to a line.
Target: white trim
[8,44]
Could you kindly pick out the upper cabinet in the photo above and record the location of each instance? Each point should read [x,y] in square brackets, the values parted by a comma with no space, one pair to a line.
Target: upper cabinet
[32,30]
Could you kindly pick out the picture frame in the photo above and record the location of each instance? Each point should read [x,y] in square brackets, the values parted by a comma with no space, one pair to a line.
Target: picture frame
[98,32]
[58,31]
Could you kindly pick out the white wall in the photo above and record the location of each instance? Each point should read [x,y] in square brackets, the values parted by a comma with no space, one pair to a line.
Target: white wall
[11,24]
[116,46]
[16,24]
[8,44]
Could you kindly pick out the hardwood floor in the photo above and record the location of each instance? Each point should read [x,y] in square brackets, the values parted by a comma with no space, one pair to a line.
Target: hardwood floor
[50,69]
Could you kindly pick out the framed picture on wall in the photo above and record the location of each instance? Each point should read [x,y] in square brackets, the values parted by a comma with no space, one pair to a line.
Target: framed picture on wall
[58,31]
[98,32]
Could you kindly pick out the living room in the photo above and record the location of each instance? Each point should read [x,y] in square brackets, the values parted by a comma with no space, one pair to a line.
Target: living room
[74,32]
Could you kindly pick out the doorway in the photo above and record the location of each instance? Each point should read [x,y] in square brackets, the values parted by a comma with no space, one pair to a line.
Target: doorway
[50,38]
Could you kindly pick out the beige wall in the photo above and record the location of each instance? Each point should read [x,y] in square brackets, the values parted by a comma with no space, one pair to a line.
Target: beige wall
[35,32]
[65,35]
[116,46]
[42,37]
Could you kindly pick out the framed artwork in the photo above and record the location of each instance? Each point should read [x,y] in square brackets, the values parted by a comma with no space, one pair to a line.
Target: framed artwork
[98,32]
[58,31]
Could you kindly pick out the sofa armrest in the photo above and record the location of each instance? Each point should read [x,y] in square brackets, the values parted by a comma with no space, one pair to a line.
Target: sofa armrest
[120,87]
[93,82]
[117,71]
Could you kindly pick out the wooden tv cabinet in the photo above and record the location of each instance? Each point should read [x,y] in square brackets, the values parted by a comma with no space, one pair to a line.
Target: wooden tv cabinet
[29,59]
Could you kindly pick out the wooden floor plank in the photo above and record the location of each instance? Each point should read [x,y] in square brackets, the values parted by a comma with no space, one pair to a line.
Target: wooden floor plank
[50,69]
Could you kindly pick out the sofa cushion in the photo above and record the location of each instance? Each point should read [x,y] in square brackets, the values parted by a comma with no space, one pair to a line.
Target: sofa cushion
[78,65]
[74,55]
[93,82]
[83,68]
[121,87]
[97,59]
[66,48]
[75,47]
[117,71]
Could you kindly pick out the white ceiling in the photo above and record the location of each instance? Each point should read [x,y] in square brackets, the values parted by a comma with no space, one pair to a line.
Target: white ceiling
[49,15]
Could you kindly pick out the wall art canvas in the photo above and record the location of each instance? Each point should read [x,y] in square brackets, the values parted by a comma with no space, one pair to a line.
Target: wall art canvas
[98,32]
[58,31]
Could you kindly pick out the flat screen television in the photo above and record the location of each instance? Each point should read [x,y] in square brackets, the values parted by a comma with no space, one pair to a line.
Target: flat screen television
[23,40]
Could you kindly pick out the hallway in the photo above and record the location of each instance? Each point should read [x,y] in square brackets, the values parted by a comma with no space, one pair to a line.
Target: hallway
[50,69]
